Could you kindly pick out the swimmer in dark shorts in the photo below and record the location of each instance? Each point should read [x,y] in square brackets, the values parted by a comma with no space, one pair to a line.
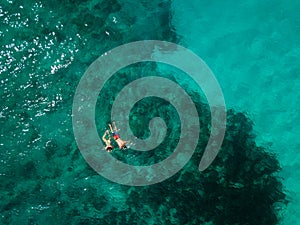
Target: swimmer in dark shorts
[115,133]
[107,141]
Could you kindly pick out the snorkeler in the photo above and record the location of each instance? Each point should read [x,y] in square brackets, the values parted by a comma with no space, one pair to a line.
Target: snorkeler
[107,141]
[116,136]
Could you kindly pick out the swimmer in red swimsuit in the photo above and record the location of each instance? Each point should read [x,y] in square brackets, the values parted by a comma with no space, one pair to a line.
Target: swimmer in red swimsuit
[115,132]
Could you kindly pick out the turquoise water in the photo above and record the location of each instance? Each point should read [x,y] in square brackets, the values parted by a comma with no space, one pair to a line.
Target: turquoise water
[253,48]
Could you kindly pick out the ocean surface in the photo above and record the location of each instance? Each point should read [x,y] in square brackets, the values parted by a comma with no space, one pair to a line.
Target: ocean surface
[253,49]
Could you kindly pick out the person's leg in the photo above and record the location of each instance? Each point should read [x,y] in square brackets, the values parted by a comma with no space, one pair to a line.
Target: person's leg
[104,135]
[116,129]
[111,129]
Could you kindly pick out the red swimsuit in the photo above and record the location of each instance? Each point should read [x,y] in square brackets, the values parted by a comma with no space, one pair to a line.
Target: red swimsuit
[116,135]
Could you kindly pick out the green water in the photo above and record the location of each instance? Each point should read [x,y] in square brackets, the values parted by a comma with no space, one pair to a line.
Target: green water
[46,46]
